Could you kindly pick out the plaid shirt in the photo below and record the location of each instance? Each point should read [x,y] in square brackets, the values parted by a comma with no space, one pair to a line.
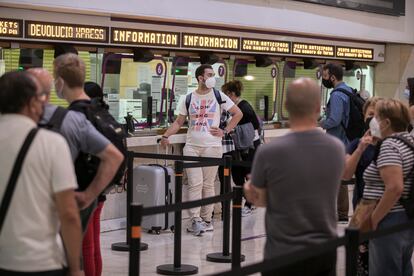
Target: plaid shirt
[227,142]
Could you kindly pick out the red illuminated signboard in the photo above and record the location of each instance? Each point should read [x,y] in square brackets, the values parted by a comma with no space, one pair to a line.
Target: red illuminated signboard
[66,32]
[305,49]
[201,41]
[357,53]
[11,27]
[144,38]
[265,46]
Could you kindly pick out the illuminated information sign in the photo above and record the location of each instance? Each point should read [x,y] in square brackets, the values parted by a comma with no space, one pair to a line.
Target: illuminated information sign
[61,31]
[210,42]
[265,46]
[11,28]
[142,37]
[305,49]
[351,52]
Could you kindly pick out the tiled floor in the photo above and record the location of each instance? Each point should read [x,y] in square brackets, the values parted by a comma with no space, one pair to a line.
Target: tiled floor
[194,249]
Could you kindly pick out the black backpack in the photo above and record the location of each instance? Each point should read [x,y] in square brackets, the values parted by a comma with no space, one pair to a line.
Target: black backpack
[216,94]
[55,122]
[86,165]
[356,124]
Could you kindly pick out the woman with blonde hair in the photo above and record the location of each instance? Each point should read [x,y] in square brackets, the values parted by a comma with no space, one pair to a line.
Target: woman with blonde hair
[387,180]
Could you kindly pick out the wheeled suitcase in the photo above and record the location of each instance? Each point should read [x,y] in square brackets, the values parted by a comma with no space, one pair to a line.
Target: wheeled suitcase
[154,185]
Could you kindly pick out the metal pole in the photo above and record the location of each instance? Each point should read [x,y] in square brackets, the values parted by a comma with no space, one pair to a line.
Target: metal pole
[226,206]
[179,170]
[135,238]
[352,237]
[237,258]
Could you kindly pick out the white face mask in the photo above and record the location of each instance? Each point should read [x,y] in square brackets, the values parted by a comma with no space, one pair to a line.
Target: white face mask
[210,82]
[406,94]
[59,90]
[374,128]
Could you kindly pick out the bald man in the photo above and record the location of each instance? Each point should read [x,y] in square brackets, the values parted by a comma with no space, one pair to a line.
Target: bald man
[297,178]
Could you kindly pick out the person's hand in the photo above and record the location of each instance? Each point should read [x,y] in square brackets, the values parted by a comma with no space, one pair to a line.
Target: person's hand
[249,192]
[218,132]
[84,199]
[365,141]
[75,273]
[164,141]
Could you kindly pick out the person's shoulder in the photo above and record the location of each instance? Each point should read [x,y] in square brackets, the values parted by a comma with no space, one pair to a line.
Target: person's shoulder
[332,141]
[51,138]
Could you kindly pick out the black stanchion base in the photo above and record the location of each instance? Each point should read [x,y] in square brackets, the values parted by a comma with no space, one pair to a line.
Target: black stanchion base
[220,258]
[123,246]
[170,269]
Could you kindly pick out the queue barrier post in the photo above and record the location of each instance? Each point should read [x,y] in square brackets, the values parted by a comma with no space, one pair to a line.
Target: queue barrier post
[177,268]
[224,256]
[352,236]
[135,238]
[124,246]
[237,257]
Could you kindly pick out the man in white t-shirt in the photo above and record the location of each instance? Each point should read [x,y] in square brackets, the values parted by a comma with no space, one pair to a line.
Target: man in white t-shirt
[43,203]
[203,140]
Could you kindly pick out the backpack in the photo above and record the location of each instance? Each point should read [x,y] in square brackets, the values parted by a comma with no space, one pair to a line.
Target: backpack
[86,165]
[216,94]
[55,122]
[356,124]
[407,203]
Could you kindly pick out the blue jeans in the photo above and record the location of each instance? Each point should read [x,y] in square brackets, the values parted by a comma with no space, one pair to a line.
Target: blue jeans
[391,255]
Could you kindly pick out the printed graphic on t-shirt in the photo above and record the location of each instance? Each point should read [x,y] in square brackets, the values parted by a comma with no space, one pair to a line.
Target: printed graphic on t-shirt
[202,114]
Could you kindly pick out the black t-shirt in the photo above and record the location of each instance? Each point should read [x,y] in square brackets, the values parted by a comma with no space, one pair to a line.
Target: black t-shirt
[249,116]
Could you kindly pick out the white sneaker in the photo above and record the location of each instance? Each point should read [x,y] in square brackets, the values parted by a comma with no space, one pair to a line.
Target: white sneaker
[196,228]
[207,226]
[246,211]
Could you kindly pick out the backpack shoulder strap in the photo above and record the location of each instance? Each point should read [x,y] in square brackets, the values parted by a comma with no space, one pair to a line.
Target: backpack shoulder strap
[11,185]
[218,96]
[188,102]
[344,91]
[404,140]
[57,118]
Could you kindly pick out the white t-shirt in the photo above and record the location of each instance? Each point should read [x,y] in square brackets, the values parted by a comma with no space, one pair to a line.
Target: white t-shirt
[205,113]
[30,238]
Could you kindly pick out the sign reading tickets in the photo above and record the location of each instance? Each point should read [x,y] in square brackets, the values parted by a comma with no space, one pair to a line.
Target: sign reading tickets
[11,28]
[146,38]
[210,42]
[61,31]
[350,52]
[265,46]
[305,49]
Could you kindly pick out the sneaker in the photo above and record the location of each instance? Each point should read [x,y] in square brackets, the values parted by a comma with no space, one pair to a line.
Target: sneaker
[207,226]
[343,220]
[196,228]
[246,211]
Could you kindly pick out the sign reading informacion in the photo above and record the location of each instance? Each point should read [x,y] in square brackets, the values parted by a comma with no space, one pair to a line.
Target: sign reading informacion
[201,41]
[144,38]
[319,50]
[11,27]
[69,32]
[265,46]
[351,52]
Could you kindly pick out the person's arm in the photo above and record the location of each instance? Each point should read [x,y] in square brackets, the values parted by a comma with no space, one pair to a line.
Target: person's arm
[255,195]
[71,231]
[173,129]
[236,116]
[336,108]
[394,187]
[110,160]
[351,160]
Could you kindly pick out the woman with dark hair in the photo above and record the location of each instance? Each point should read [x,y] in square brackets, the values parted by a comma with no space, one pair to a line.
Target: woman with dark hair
[233,90]
[91,245]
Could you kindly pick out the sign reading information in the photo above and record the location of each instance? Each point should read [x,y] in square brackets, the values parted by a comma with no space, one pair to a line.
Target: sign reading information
[11,28]
[210,42]
[305,49]
[265,46]
[145,38]
[69,32]
[350,52]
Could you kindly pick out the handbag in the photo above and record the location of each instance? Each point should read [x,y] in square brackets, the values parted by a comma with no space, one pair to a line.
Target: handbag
[11,185]
[243,136]
[361,219]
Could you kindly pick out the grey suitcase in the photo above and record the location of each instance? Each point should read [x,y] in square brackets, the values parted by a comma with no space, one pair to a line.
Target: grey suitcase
[154,185]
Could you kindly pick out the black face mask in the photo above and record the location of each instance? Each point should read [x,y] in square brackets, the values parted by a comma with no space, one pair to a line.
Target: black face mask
[367,121]
[327,83]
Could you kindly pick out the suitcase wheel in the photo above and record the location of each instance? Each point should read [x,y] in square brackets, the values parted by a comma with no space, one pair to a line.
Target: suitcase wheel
[150,231]
[157,232]
[172,228]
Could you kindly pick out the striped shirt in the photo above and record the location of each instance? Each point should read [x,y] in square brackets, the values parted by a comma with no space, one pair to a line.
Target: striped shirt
[393,152]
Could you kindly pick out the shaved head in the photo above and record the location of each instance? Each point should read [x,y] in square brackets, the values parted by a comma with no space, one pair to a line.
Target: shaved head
[303,99]
[44,78]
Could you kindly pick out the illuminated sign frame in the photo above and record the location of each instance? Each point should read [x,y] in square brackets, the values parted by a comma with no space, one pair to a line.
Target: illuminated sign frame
[243,39]
[316,55]
[19,28]
[355,48]
[138,31]
[209,37]
[66,26]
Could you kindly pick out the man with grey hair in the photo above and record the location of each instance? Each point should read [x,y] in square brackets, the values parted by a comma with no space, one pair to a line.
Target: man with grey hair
[297,178]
